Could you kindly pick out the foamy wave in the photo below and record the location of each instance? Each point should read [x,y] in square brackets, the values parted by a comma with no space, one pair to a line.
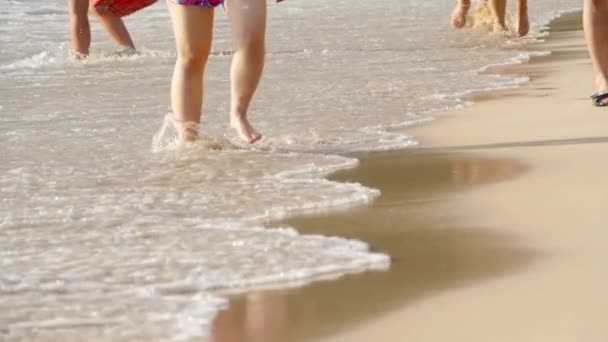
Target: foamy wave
[520,58]
[503,83]
[61,56]
[138,54]
[392,140]
[80,317]
[36,61]
[143,293]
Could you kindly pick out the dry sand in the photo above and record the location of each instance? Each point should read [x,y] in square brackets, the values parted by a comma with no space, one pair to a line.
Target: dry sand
[497,228]
[556,208]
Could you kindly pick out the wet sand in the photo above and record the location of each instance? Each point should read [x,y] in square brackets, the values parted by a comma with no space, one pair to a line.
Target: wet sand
[413,223]
[496,227]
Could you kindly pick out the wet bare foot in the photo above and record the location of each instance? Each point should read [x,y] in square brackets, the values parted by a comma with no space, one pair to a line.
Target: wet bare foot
[187,131]
[244,128]
[459,15]
[78,56]
[500,28]
[125,51]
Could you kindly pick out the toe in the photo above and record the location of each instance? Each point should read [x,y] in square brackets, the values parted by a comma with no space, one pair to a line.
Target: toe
[255,137]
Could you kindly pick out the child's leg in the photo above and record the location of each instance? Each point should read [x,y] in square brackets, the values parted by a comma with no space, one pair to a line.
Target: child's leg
[115,27]
[248,22]
[499,9]
[193,28]
[80,31]
[459,15]
[523,24]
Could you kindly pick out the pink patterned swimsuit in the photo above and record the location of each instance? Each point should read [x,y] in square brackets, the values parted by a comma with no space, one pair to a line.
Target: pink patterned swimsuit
[205,3]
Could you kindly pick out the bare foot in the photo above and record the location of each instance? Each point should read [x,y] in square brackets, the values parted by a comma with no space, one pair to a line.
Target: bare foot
[244,128]
[522,24]
[78,56]
[187,131]
[500,28]
[459,15]
[125,51]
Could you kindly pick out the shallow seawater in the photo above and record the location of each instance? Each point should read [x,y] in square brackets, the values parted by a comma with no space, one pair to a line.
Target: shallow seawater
[103,239]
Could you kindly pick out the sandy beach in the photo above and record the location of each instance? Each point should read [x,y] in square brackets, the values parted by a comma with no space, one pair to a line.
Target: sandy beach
[496,227]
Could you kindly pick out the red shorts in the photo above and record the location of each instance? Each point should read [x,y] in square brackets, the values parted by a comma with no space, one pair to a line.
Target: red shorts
[121,8]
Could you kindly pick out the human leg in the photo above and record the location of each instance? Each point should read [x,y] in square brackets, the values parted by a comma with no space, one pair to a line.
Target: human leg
[522,22]
[192,27]
[248,23]
[80,31]
[595,23]
[499,8]
[115,27]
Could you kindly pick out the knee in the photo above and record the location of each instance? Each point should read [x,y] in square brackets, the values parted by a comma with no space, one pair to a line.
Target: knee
[78,10]
[79,18]
[193,61]
[598,5]
[99,11]
[253,45]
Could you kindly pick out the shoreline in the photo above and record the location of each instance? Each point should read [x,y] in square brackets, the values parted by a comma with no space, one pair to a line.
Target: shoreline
[325,308]
[442,244]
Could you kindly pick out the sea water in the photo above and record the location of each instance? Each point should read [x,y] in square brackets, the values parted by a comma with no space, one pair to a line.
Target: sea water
[107,236]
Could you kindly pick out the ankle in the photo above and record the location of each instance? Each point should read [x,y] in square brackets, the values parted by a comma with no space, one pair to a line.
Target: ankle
[601,82]
[238,111]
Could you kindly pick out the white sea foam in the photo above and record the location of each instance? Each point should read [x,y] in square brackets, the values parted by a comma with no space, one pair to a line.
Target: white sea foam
[36,61]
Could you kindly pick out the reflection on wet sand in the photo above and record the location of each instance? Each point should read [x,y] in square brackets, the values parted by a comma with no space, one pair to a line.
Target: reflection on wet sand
[413,222]
[256,317]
